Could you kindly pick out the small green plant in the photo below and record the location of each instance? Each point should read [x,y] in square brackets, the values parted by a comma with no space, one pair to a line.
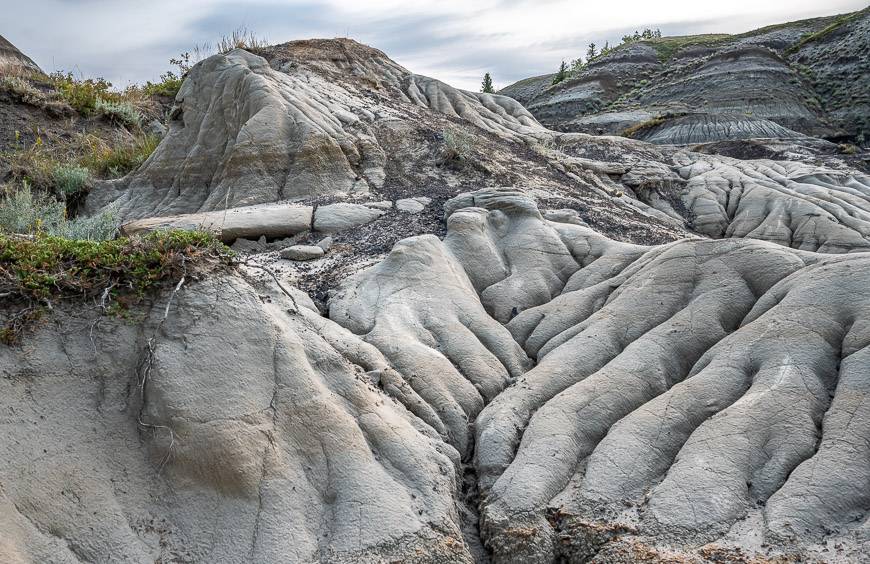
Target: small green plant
[121,113]
[23,212]
[70,180]
[591,51]
[458,145]
[168,86]
[171,80]
[120,273]
[486,86]
[82,95]
[848,149]
[561,74]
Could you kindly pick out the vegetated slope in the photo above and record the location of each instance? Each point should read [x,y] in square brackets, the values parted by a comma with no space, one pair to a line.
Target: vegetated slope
[806,77]
[58,133]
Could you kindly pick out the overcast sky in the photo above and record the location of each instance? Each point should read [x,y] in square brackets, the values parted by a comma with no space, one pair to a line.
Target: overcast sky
[129,41]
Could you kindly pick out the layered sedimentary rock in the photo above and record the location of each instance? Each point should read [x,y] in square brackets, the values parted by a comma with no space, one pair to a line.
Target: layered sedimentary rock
[693,129]
[318,122]
[797,205]
[635,352]
[806,76]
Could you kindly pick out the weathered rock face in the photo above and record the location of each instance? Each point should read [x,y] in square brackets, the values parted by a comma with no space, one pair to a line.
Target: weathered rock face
[13,61]
[285,140]
[320,121]
[808,77]
[836,64]
[790,203]
[705,128]
[242,427]
[606,399]
[661,409]
[245,133]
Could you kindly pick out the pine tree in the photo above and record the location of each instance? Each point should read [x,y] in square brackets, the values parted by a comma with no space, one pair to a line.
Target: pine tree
[561,74]
[486,86]
[591,53]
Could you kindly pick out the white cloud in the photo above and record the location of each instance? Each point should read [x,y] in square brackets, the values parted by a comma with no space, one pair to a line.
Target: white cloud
[454,40]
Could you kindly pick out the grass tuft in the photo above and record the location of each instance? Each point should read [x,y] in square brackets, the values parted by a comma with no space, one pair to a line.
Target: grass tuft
[71,180]
[117,160]
[23,212]
[40,270]
[120,113]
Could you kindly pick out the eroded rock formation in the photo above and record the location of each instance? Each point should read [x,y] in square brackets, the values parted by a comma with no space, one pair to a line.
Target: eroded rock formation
[606,397]
[807,76]
[633,353]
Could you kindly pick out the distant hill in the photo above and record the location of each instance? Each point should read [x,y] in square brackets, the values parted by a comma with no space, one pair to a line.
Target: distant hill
[12,60]
[809,77]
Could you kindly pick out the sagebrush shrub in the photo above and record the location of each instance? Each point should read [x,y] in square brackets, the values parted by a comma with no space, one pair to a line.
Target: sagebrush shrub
[122,113]
[458,144]
[70,179]
[26,213]
[82,95]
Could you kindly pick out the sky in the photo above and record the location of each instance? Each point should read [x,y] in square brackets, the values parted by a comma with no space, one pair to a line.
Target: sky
[130,41]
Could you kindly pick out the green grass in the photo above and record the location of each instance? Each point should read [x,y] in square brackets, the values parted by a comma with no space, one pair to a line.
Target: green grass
[37,271]
[667,47]
[827,30]
[115,161]
[60,166]
[168,86]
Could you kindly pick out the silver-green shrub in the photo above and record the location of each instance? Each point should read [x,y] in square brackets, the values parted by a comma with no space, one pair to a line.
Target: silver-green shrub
[123,113]
[26,213]
[70,179]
